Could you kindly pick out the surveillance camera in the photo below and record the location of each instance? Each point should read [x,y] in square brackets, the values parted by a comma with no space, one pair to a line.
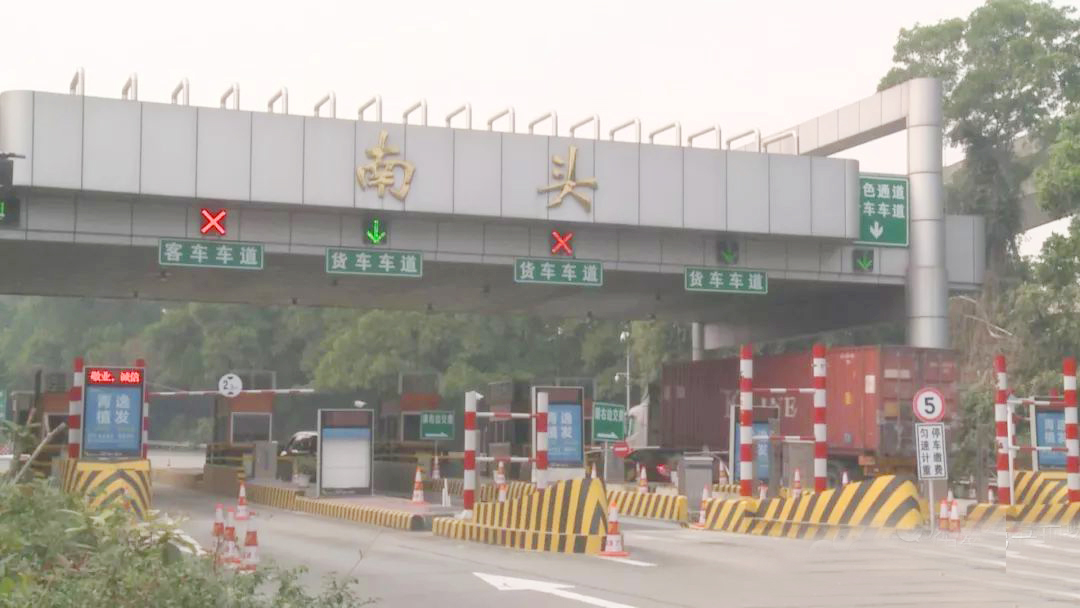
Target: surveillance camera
[359,403]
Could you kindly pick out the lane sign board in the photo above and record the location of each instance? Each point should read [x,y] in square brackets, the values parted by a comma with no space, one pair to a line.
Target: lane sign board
[437,425]
[929,405]
[608,422]
[210,254]
[586,273]
[720,280]
[230,385]
[375,262]
[930,451]
[883,210]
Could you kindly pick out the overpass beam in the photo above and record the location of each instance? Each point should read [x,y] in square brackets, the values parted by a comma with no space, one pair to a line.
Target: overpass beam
[927,281]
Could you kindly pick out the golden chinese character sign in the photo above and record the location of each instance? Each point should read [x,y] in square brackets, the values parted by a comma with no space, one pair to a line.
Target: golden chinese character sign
[379,173]
[566,171]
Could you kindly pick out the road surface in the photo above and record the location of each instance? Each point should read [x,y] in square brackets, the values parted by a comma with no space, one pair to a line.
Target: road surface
[669,567]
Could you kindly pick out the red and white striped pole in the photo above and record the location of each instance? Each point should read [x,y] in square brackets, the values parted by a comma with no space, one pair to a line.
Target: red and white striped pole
[75,407]
[469,493]
[541,439]
[746,420]
[1001,425]
[141,364]
[821,446]
[1072,438]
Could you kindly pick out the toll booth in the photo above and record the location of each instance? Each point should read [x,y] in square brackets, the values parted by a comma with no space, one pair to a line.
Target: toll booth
[239,422]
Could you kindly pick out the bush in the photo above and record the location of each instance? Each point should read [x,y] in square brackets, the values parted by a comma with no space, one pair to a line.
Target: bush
[56,552]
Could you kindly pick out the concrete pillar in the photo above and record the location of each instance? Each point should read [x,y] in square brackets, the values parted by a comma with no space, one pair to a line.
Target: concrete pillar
[927,281]
[697,341]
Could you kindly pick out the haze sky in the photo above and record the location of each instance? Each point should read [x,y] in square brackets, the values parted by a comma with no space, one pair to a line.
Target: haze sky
[737,64]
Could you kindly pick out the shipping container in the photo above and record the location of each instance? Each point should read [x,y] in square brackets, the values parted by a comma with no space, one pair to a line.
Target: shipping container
[868,394]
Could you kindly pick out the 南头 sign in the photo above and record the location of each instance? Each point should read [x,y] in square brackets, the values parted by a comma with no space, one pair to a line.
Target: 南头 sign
[608,422]
[112,417]
[1050,428]
[565,445]
[210,254]
[883,211]
[436,425]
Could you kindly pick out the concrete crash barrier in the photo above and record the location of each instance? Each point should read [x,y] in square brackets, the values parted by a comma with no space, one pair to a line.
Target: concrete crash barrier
[726,488]
[882,503]
[387,518]
[489,492]
[273,496]
[1046,514]
[729,514]
[1041,488]
[667,507]
[103,483]
[984,516]
[567,517]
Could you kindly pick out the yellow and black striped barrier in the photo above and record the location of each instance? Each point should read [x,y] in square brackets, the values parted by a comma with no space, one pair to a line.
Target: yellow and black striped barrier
[105,482]
[988,516]
[1040,488]
[726,488]
[454,487]
[273,496]
[667,507]
[885,502]
[567,517]
[387,518]
[729,514]
[489,492]
[1056,514]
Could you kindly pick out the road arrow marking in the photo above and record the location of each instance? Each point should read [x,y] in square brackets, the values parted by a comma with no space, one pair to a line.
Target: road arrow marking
[375,234]
[876,229]
[506,583]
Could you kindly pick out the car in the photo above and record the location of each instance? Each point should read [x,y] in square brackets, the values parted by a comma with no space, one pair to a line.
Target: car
[302,449]
[659,463]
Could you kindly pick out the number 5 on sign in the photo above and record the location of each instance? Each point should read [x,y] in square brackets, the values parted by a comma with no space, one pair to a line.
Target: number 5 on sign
[929,405]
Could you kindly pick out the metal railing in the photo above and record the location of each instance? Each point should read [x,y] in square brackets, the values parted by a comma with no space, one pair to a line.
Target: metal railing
[553,116]
[131,87]
[330,98]
[678,133]
[234,92]
[715,128]
[283,95]
[467,109]
[633,122]
[182,88]
[374,101]
[420,105]
[505,112]
[595,119]
[78,83]
[755,132]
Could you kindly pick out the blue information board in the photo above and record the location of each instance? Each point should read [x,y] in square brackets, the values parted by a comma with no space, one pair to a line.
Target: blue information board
[1050,426]
[761,452]
[565,445]
[112,421]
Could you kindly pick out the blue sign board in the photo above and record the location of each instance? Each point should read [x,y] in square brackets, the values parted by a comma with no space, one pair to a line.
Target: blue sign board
[565,445]
[112,421]
[761,452]
[1050,427]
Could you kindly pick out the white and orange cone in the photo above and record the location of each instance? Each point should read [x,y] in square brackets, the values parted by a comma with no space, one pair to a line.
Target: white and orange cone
[251,546]
[703,514]
[500,479]
[219,523]
[592,471]
[763,491]
[418,488]
[241,503]
[990,496]
[796,484]
[230,553]
[844,478]
[613,545]
[643,481]
[445,495]
[723,479]
[954,517]
[943,515]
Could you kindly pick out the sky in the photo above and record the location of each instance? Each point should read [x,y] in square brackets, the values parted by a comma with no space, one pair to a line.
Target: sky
[738,64]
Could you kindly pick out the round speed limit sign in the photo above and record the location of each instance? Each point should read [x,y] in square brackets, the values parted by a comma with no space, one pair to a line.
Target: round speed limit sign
[230,385]
[929,405]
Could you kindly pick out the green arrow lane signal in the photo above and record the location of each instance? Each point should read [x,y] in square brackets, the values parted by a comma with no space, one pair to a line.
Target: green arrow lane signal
[375,233]
[864,260]
[727,252]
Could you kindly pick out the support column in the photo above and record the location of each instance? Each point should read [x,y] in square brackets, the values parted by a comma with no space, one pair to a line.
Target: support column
[1001,426]
[697,341]
[75,403]
[141,364]
[821,446]
[541,439]
[469,492]
[927,280]
[746,421]
[1072,439]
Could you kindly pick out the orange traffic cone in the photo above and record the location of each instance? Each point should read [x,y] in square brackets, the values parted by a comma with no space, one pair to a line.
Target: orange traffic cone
[613,545]
[954,517]
[642,482]
[219,524]
[763,491]
[723,479]
[418,488]
[990,498]
[592,472]
[943,516]
[251,546]
[703,514]
[435,473]
[230,553]
[500,478]
[796,484]
[241,504]
[844,479]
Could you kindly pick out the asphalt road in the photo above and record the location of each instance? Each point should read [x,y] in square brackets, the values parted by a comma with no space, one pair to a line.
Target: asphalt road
[669,567]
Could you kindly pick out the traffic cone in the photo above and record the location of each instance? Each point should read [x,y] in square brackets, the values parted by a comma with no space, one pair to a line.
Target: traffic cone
[251,546]
[219,524]
[990,498]
[954,517]
[763,491]
[230,553]
[241,503]
[643,482]
[500,478]
[723,478]
[592,473]
[445,495]
[418,488]
[844,479]
[435,473]
[613,545]
[943,516]
[675,479]
[796,484]
[703,514]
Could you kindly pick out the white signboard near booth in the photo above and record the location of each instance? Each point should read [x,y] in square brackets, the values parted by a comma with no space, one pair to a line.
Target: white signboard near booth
[345,452]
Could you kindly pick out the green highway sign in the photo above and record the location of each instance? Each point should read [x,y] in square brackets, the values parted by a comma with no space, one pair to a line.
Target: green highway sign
[608,422]
[437,425]
[725,280]
[883,210]
[587,273]
[210,254]
[375,262]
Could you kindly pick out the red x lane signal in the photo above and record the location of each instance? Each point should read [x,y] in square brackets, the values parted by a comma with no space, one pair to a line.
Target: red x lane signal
[560,243]
[213,221]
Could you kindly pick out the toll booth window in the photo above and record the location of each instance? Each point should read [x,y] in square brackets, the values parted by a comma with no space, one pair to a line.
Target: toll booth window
[247,428]
[411,427]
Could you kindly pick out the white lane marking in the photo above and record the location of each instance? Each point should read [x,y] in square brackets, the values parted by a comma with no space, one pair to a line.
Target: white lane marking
[1040,544]
[626,560]
[1067,564]
[1064,579]
[1037,590]
[507,583]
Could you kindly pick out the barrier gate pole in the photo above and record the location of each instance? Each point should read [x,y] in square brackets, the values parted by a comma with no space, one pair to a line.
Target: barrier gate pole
[821,447]
[141,364]
[469,493]
[1001,425]
[541,440]
[75,403]
[746,420]
[1072,439]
